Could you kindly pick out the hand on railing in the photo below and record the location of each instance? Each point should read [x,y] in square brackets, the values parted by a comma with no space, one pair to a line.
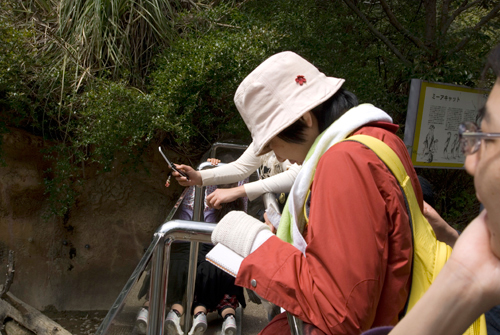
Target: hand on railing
[214,161]
[224,195]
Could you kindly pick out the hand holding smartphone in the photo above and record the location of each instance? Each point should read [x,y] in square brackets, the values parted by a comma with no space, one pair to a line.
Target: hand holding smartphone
[172,166]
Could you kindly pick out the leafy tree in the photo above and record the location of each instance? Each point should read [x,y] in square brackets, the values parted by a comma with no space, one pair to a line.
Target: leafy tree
[434,38]
[189,105]
[105,79]
[440,41]
[196,78]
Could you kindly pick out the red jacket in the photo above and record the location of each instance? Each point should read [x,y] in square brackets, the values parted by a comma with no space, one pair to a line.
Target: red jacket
[357,269]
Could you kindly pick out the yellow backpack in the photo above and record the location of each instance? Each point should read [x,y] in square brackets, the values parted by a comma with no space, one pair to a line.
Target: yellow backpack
[429,254]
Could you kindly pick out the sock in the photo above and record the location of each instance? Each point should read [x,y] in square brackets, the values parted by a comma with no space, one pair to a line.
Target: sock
[228,315]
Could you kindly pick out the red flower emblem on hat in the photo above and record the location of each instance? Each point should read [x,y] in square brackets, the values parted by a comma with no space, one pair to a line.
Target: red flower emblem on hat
[300,80]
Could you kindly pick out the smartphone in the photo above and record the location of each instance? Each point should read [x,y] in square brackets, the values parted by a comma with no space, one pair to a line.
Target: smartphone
[172,166]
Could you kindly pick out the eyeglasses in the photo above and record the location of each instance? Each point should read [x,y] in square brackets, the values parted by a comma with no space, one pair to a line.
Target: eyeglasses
[471,136]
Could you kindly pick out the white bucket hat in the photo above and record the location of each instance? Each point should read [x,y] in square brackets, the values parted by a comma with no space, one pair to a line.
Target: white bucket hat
[278,92]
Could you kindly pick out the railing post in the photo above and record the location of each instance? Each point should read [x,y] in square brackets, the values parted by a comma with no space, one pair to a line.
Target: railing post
[198,208]
[158,287]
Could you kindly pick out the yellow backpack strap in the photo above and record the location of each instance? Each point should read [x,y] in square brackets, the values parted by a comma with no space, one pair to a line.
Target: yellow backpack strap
[429,254]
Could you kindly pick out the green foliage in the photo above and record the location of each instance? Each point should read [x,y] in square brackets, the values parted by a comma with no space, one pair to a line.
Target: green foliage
[455,196]
[115,120]
[116,38]
[190,101]
[104,79]
[60,180]
[195,81]
[13,56]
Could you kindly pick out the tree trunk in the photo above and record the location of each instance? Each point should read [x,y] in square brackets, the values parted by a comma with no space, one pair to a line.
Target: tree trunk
[28,317]
[14,328]
[430,24]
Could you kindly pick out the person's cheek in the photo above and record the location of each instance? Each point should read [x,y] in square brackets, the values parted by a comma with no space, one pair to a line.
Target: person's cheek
[471,163]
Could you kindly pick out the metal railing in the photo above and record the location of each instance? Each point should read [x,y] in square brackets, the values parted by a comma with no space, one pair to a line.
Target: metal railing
[158,256]
[194,231]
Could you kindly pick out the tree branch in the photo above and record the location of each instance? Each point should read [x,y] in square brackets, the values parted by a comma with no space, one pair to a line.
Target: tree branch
[377,33]
[394,21]
[430,24]
[463,7]
[478,26]
[445,10]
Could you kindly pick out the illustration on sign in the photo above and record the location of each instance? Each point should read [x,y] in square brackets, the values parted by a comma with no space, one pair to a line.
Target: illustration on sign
[440,108]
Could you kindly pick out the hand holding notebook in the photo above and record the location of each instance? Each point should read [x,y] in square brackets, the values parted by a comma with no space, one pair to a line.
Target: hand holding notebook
[236,236]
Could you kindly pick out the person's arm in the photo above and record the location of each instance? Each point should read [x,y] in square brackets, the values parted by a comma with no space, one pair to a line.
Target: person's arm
[233,172]
[444,232]
[281,182]
[224,195]
[225,174]
[465,288]
[340,282]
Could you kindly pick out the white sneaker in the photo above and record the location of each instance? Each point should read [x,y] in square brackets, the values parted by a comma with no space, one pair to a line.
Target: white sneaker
[199,324]
[229,326]
[172,324]
[142,321]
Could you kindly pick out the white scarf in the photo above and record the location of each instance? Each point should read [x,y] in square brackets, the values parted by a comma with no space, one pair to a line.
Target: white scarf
[346,124]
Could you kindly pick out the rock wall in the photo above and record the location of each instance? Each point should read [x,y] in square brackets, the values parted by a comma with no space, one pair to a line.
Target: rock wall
[82,261]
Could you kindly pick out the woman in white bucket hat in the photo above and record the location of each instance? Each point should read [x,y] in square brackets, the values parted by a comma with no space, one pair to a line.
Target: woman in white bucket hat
[342,258]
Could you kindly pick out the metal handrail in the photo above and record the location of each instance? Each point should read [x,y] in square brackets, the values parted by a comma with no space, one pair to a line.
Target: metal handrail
[158,254]
[198,217]
[198,209]
[182,230]
[218,145]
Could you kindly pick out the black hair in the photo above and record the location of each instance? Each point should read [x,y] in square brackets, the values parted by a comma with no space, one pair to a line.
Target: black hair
[427,190]
[236,205]
[326,113]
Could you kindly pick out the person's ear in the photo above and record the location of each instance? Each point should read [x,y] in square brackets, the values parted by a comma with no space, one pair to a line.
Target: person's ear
[307,118]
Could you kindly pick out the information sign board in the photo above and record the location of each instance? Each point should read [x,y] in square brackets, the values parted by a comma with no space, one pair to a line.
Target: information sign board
[434,112]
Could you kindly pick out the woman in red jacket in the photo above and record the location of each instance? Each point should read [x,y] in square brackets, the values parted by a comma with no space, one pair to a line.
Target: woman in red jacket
[342,262]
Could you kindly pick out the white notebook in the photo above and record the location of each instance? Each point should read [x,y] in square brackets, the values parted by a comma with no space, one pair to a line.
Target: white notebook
[225,259]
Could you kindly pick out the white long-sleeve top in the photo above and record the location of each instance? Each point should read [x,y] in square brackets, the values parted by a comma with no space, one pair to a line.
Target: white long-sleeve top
[243,167]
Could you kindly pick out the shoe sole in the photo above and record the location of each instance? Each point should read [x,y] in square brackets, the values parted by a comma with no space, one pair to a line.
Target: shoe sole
[141,328]
[171,328]
[230,331]
[199,329]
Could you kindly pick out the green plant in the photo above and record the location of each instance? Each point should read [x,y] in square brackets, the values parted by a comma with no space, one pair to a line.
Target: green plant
[115,121]
[195,80]
[103,79]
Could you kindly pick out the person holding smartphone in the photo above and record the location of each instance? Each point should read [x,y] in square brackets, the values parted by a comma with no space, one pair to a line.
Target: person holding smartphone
[240,169]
